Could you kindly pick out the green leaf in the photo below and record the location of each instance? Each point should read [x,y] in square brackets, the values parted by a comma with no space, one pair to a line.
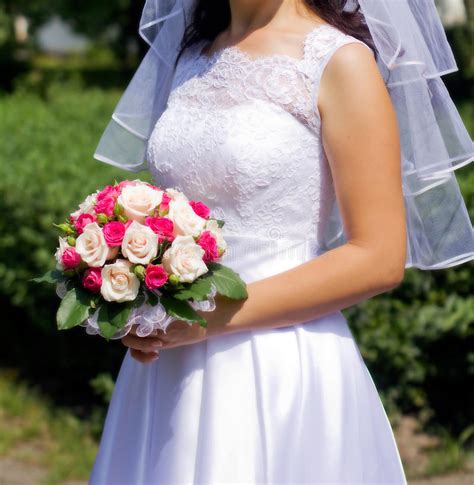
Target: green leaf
[107,330]
[113,317]
[73,309]
[227,282]
[220,222]
[182,310]
[52,277]
[198,290]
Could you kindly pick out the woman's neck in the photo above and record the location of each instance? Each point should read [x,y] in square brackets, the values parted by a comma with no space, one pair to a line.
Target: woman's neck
[250,15]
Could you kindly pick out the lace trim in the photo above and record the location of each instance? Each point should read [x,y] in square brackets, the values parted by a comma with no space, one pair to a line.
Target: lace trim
[235,75]
[237,51]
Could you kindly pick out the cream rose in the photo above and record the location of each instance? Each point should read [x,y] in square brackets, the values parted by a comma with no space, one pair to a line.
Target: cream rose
[87,206]
[63,245]
[186,221]
[92,248]
[119,284]
[140,243]
[184,259]
[176,195]
[139,201]
[216,231]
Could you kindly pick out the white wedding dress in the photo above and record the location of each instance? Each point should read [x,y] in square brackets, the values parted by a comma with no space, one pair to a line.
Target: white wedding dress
[291,405]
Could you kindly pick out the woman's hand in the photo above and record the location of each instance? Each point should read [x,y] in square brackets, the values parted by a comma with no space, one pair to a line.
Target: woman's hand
[178,333]
[182,333]
[147,349]
[143,349]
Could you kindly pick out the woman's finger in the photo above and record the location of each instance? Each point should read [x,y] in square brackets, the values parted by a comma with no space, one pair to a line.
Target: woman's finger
[145,344]
[144,357]
[154,333]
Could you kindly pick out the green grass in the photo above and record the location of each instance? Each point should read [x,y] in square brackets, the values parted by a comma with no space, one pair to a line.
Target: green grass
[33,431]
[452,455]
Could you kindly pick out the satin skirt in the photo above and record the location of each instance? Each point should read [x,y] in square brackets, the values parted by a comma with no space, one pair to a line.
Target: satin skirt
[293,405]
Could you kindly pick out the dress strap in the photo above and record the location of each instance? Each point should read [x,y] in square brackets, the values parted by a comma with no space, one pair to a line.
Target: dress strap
[319,47]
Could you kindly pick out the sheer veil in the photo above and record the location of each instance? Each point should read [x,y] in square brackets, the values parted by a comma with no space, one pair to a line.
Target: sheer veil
[413,54]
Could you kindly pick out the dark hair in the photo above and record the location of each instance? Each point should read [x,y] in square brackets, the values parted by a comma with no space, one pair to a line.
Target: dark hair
[211,17]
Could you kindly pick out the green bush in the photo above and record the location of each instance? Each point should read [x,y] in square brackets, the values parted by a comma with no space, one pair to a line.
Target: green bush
[418,342]
[46,169]
[460,40]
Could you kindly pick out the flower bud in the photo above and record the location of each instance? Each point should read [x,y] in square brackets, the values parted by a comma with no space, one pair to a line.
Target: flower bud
[118,209]
[102,218]
[66,228]
[139,271]
[122,218]
[173,279]
[71,241]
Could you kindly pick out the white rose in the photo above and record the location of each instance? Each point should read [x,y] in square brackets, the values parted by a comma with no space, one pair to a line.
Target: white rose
[186,221]
[92,247]
[119,284]
[176,195]
[216,231]
[184,259]
[139,201]
[87,206]
[140,243]
[63,245]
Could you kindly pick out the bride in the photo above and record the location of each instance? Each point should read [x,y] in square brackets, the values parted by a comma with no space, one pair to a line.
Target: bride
[277,115]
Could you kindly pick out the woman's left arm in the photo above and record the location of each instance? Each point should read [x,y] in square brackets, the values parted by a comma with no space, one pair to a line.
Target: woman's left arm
[361,140]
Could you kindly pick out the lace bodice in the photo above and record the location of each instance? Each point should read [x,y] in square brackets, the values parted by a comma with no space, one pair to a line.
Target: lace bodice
[242,134]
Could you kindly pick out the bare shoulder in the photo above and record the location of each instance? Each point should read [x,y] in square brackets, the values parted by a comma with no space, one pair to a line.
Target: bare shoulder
[351,57]
[351,76]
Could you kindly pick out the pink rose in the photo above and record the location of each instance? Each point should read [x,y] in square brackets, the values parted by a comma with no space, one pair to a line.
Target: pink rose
[92,279]
[208,242]
[70,258]
[155,276]
[165,202]
[109,191]
[200,209]
[81,221]
[106,206]
[114,233]
[161,226]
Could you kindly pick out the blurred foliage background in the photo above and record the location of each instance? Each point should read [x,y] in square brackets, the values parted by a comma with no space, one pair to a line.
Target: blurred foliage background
[417,340]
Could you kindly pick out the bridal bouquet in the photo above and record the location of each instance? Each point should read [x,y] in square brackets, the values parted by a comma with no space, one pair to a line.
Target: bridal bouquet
[134,254]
